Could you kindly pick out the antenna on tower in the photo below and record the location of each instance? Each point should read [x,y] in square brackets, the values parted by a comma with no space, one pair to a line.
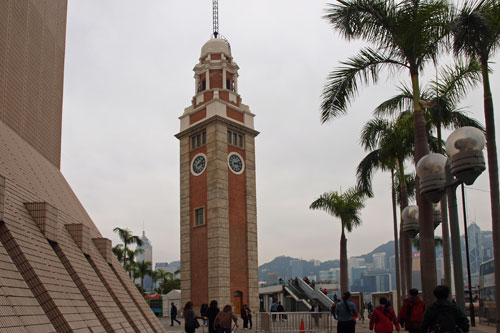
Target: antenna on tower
[215,11]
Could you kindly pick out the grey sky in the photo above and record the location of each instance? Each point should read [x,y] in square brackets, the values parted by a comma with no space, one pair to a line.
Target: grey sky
[129,76]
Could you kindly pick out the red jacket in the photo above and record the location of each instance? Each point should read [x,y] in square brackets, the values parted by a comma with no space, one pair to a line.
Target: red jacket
[416,309]
[383,318]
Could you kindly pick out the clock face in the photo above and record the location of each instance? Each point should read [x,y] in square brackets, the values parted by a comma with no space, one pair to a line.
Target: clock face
[198,164]
[235,163]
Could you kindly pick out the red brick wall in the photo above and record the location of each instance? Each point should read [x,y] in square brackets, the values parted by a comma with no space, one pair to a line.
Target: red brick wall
[215,56]
[197,116]
[233,114]
[238,233]
[215,78]
[199,245]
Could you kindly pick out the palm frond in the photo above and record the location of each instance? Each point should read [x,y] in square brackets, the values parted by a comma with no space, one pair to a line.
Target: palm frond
[400,102]
[364,173]
[342,83]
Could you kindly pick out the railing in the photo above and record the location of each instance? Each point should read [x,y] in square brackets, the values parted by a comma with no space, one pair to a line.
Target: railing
[300,322]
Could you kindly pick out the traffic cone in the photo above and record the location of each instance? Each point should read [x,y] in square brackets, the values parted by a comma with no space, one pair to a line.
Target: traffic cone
[302,329]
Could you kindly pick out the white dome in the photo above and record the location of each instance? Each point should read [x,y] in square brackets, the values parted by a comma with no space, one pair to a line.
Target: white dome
[215,45]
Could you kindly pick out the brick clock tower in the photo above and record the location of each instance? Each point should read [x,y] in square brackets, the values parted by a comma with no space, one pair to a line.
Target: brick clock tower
[217,187]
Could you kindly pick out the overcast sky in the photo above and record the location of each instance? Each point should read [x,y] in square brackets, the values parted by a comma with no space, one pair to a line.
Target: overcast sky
[128,78]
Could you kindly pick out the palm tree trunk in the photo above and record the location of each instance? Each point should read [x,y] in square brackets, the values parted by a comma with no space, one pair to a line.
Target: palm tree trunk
[427,247]
[142,284]
[493,174]
[444,225]
[406,244]
[396,247]
[343,263]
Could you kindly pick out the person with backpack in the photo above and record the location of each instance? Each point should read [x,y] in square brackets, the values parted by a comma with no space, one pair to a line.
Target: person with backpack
[443,316]
[383,318]
[411,313]
[345,313]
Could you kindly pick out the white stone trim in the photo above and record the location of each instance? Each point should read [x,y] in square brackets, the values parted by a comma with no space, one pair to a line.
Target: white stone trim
[242,161]
[192,161]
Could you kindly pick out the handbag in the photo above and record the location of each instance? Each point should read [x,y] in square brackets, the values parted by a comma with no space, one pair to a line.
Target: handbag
[196,323]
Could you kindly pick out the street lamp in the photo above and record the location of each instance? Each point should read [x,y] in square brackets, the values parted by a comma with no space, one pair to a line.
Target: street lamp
[410,220]
[466,163]
[465,148]
[430,170]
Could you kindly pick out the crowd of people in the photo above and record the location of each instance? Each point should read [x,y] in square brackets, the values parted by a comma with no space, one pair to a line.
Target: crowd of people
[443,316]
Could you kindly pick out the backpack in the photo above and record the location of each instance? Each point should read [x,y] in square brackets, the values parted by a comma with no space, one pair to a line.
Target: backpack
[445,322]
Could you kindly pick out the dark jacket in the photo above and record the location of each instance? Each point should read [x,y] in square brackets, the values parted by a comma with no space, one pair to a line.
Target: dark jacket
[382,319]
[211,314]
[443,305]
[173,311]
[412,312]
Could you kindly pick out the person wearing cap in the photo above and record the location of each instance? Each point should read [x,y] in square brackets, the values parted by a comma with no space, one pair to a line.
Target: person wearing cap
[345,312]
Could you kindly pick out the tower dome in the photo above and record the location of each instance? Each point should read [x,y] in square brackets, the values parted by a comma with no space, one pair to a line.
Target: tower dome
[216,45]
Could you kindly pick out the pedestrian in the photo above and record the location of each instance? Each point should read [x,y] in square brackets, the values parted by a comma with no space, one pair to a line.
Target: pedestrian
[250,324]
[173,314]
[245,316]
[213,310]
[444,316]
[346,314]
[411,313]
[190,318]
[204,313]
[280,308]
[315,309]
[224,318]
[274,308]
[370,309]
[383,318]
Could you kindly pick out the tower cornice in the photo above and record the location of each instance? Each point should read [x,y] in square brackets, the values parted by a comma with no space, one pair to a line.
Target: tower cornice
[196,127]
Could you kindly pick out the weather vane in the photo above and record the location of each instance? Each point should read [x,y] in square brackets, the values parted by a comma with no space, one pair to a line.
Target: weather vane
[215,10]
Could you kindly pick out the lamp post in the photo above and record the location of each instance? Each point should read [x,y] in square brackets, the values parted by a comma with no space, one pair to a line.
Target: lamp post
[464,147]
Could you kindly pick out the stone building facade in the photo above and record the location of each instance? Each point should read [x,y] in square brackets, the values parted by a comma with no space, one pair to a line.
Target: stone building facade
[57,272]
[218,191]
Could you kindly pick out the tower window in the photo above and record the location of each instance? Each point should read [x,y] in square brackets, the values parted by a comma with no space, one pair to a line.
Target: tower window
[199,216]
[228,84]
[203,84]
[198,140]
[234,138]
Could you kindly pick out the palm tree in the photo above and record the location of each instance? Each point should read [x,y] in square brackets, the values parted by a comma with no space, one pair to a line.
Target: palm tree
[345,206]
[156,276]
[132,254]
[476,34]
[127,238]
[143,269]
[118,251]
[169,282]
[406,35]
[440,100]
[389,143]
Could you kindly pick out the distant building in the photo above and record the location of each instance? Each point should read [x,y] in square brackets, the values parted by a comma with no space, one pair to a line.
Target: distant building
[379,260]
[331,275]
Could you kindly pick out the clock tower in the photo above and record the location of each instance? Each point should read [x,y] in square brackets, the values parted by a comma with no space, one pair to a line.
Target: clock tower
[217,187]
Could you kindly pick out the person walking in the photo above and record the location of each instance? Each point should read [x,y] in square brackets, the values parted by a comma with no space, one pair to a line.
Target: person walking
[204,313]
[411,313]
[244,316]
[345,312]
[224,318]
[315,309]
[383,318]
[190,318]
[213,310]
[173,314]
[443,315]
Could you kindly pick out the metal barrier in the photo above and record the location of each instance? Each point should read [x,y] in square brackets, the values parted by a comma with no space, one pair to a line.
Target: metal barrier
[318,322]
